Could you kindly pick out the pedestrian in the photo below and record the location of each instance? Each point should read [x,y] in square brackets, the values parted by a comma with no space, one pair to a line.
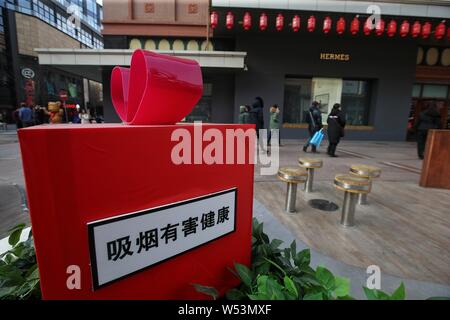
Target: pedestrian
[26,115]
[84,116]
[257,114]
[314,120]
[274,123]
[428,119]
[16,116]
[3,122]
[244,115]
[336,125]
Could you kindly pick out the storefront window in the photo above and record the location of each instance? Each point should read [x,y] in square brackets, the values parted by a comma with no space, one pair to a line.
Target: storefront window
[416,91]
[297,99]
[326,91]
[202,111]
[434,91]
[356,101]
[353,95]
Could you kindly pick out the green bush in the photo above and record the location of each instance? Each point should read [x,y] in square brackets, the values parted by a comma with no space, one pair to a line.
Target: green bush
[19,275]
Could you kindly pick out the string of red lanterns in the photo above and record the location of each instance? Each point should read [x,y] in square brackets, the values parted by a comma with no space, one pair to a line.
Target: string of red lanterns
[415,30]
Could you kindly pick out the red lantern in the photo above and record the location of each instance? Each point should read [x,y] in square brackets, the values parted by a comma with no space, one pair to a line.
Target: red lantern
[440,31]
[354,26]
[367,27]
[263,22]
[448,33]
[327,25]
[311,24]
[214,19]
[340,25]
[426,30]
[392,28]
[415,31]
[296,23]
[404,29]
[379,27]
[280,22]
[230,20]
[247,21]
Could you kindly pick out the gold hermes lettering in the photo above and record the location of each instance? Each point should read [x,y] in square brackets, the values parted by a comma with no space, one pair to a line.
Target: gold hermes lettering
[334,56]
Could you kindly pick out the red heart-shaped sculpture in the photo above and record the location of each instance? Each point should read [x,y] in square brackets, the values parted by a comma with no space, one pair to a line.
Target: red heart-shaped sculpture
[156,89]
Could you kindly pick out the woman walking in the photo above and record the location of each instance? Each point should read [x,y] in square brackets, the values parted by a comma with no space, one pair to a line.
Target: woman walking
[274,123]
[336,125]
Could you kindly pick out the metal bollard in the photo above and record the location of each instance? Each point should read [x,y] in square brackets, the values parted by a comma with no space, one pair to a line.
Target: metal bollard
[310,180]
[348,209]
[362,199]
[291,196]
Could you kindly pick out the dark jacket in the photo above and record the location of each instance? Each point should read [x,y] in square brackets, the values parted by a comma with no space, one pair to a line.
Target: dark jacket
[314,123]
[336,125]
[429,119]
[257,114]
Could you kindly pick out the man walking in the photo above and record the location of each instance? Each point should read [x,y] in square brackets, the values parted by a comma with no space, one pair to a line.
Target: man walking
[26,116]
[314,120]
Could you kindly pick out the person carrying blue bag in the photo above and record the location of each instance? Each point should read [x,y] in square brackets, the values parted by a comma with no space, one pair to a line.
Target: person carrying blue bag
[314,120]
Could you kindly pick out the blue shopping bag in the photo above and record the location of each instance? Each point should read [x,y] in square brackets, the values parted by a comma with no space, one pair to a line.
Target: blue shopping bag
[317,138]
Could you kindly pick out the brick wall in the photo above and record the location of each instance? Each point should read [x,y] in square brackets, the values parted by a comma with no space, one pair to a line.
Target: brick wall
[33,33]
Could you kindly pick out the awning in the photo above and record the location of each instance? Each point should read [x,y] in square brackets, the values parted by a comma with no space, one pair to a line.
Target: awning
[122,57]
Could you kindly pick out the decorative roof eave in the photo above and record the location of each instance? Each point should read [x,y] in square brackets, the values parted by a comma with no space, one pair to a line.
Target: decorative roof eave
[424,9]
[122,57]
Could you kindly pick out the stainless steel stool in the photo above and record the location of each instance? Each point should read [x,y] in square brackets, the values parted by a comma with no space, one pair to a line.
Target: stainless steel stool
[367,172]
[352,186]
[310,164]
[292,176]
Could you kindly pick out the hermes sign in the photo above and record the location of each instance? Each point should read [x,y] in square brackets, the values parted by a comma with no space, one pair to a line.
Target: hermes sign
[334,56]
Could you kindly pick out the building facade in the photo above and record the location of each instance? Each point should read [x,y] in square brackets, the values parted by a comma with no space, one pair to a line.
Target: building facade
[291,53]
[29,24]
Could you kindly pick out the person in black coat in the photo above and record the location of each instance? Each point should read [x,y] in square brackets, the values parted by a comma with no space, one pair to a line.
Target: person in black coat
[256,114]
[314,120]
[336,125]
[428,119]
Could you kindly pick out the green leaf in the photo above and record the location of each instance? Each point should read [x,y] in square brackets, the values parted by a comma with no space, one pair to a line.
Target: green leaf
[313,296]
[342,286]
[290,286]
[261,282]
[325,277]
[293,248]
[374,294]
[303,258]
[15,234]
[235,294]
[245,274]
[400,293]
[276,243]
[274,289]
[210,291]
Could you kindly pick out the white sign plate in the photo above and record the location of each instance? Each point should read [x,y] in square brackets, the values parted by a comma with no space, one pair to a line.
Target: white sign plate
[129,243]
